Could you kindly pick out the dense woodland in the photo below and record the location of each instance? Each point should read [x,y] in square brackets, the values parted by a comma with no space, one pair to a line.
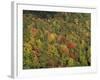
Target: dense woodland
[56,39]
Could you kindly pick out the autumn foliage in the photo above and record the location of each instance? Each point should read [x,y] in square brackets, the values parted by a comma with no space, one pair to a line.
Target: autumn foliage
[56,39]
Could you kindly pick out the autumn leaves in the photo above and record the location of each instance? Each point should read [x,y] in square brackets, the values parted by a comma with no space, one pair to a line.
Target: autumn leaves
[55,41]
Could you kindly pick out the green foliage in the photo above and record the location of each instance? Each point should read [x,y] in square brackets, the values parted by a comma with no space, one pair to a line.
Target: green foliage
[56,39]
[71,62]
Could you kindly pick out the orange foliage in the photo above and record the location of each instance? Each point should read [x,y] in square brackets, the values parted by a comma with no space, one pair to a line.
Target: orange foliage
[71,45]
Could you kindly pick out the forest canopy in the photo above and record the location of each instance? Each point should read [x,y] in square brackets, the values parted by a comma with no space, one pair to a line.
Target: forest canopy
[56,39]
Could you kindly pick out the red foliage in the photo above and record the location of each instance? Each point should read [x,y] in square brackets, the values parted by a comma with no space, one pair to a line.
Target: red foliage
[71,45]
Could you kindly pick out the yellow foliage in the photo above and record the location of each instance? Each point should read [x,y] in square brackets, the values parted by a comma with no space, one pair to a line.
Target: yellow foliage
[27,47]
[52,37]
